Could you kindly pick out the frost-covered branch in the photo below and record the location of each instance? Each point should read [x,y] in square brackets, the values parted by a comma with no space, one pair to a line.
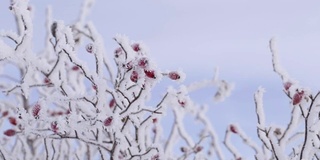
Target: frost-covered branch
[304,115]
[60,104]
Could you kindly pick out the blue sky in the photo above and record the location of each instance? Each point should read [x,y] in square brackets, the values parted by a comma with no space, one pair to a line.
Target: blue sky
[197,36]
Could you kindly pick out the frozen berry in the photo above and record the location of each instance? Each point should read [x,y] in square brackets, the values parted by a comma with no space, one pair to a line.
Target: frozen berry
[287,85]
[75,68]
[134,76]
[46,80]
[13,120]
[5,113]
[10,132]
[94,87]
[89,48]
[150,73]
[136,47]
[155,157]
[35,110]
[174,75]
[233,129]
[154,120]
[117,52]
[108,121]
[112,103]
[143,62]
[297,97]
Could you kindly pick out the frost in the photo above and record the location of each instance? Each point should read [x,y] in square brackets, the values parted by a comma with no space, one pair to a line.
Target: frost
[224,91]
[58,105]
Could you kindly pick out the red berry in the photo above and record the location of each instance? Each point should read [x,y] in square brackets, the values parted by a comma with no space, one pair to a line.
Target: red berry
[155,157]
[198,149]
[9,132]
[59,113]
[94,87]
[233,129]
[5,113]
[75,68]
[112,103]
[46,80]
[287,85]
[150,73]
[136,47]
[143,62]
[134,76]
[89,47]
[12,120]
[35,110]
[154,120]
[297,97]
[108,121]
[117,52]
[174,75]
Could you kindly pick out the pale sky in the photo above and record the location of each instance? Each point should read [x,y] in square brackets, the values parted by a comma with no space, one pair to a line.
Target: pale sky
[197,36]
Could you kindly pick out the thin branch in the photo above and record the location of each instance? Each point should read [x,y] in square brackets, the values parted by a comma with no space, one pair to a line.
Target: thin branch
[306,126]
[46,148]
